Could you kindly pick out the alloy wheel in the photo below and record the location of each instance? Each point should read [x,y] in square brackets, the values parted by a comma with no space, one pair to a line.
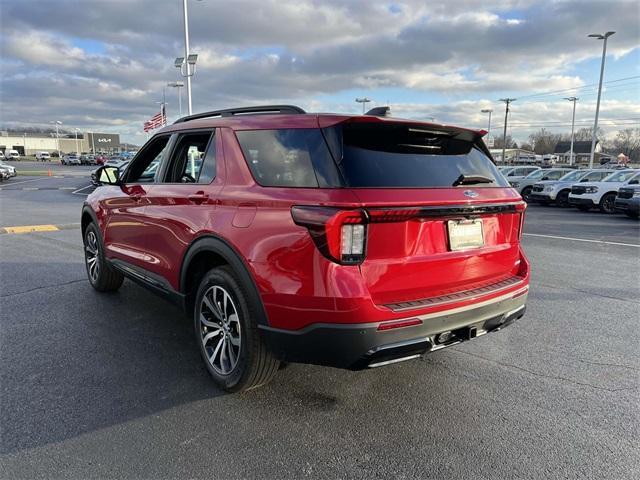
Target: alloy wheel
[608,204]
[220,330]
[92,256]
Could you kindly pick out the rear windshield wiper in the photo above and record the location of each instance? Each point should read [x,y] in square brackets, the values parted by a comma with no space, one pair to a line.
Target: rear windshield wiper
[471,180]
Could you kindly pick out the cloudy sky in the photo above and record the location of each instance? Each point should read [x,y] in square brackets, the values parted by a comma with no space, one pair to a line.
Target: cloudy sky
[101,64]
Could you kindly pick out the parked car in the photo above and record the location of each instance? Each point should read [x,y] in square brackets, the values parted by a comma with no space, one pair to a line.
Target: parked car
[2,157]
[71,159]
[88,159]
[12,155]
[517,173]
[524,186]
[557,191]
[586,196]
[101,159]
[8,171]
[628,201]
[280,253]
[43,156]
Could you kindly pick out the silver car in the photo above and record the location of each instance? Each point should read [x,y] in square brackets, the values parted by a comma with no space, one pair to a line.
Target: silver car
[557,191]
[517,173]
[525,185]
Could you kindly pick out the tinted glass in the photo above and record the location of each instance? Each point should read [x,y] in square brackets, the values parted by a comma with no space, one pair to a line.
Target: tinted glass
[397,156]
[620,176]
[144,167]
[572,176]
[287,157]
[188,159]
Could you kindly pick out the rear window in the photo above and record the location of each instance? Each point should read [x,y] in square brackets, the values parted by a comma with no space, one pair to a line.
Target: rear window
[406,156]
[288,157]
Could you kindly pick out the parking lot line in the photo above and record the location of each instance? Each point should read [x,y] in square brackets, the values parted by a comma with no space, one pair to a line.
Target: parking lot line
[38,228]
[581,240]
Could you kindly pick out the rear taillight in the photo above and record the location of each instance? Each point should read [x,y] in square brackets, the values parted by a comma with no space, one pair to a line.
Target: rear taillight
[340,235]
[521,208]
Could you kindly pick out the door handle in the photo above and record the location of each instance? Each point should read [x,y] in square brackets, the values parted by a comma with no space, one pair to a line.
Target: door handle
[135,197]
[198,197]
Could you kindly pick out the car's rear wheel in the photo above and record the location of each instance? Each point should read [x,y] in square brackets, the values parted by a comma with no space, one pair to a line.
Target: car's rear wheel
[607,203]
[562,199]
[101,276]
[526,194]
[227,333]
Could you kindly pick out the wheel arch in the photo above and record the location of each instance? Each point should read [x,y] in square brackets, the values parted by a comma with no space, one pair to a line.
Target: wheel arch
[210,251]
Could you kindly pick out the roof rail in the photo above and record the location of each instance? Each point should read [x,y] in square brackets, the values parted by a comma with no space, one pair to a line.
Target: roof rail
[230,112]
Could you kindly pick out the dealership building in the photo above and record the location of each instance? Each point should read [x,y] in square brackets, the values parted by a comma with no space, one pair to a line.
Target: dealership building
[30,143]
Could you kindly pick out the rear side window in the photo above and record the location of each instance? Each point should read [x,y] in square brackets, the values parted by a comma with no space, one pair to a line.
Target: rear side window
[288,157]
[406,156]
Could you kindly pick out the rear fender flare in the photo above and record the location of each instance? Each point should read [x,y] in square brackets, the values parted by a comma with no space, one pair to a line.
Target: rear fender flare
[214,244]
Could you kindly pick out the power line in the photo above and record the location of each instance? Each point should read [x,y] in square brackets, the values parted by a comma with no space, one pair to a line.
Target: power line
[552,92]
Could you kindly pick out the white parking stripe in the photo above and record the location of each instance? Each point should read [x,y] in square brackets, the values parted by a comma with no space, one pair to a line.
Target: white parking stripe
[77,192]
[581,240]
[10,183]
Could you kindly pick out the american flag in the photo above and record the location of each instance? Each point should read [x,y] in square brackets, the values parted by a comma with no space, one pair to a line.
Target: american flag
[157,121]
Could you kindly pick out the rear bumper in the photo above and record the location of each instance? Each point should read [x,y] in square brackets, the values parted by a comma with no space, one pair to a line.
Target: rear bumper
[358,346]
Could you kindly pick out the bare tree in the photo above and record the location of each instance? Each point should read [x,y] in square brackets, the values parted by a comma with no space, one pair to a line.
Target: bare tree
[543,141]
[628,142]
[497,143]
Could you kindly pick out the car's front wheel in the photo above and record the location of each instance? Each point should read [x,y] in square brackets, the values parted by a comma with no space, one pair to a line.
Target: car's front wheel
[607,203]
[526,194]
[101,276]
[226,331]
[562,199]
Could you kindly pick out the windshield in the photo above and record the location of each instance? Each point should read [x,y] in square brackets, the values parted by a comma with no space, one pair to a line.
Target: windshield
[537,174]
[619,176]
[573,176]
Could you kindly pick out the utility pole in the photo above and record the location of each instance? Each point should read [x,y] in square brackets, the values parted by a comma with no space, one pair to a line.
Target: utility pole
[573,122]
[363,101]
[507,101]
[595,123]
[186,55]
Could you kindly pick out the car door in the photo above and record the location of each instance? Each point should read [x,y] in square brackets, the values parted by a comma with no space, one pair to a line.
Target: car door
[125,225]
[181,206]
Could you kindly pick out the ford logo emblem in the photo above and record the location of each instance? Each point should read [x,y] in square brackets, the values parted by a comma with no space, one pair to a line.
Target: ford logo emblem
[470,193]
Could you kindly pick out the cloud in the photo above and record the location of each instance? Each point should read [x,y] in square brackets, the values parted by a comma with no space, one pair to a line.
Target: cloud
[306,51]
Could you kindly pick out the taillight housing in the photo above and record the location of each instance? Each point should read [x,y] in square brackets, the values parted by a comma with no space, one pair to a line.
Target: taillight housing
[340,235]
[521,208]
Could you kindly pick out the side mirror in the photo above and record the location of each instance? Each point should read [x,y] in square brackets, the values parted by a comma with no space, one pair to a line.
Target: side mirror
[544,178]
[584,180]
[108,175]
[634,182]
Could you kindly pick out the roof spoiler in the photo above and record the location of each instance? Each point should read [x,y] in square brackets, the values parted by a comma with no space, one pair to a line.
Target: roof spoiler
[380,111]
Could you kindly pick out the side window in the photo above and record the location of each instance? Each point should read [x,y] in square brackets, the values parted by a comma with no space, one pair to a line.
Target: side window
[144,167]
[284,158]
[193,159]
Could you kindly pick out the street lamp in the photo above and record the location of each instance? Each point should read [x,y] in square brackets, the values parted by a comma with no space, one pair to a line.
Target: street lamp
[489,111]
[604,37]
[77,149]
[57,122]
[363,101]
[190,58]
[573,121]
[178,85]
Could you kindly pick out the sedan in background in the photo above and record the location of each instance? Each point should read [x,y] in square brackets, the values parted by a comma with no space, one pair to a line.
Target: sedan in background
[71,159]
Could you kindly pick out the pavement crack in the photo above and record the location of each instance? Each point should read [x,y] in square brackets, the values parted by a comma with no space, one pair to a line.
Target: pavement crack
[604,364]
[542,375]
[43,287]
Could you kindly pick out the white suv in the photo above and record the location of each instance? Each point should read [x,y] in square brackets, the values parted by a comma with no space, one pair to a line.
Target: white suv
[525,185]
[586,196]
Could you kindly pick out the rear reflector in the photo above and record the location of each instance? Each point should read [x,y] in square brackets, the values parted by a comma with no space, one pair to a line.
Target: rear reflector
[412,322]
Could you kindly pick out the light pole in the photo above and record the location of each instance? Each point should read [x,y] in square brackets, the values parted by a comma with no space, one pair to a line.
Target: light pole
[77,149]
[363,101]
[507,101]
[57,122]
[573,122]
[189,59]
[595,123]
[489,111]
[178,85]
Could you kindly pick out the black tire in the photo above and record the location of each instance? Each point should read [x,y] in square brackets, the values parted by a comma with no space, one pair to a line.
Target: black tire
[607,203]
[562,199]
[526,193]
[101,276]
[255,365]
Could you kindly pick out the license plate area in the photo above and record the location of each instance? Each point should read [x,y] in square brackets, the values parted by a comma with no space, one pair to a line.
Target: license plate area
[465,234]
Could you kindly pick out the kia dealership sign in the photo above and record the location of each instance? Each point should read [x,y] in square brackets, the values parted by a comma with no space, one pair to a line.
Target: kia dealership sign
[103,140]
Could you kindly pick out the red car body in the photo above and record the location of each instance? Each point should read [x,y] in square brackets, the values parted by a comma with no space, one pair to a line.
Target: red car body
[409,294]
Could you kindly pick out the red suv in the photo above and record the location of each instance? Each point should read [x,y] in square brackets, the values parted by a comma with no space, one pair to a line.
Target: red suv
[342,240]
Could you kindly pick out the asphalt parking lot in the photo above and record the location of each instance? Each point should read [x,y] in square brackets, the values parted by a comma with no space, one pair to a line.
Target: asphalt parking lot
[103,386]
